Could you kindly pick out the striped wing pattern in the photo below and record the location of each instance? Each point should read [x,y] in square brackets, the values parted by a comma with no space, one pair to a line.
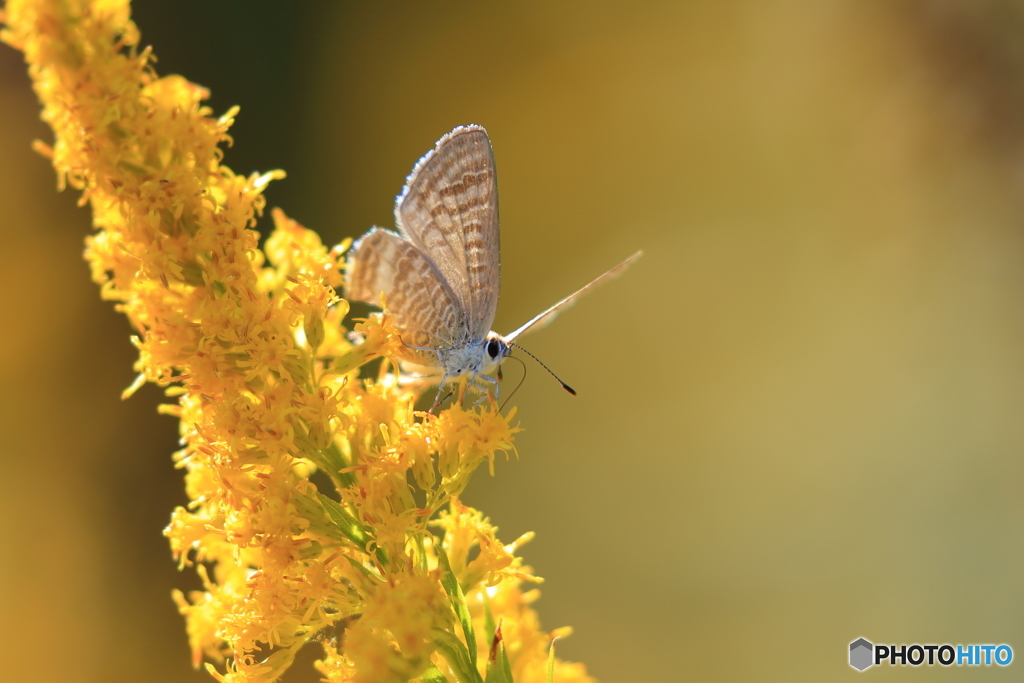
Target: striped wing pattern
[425,309]
[449,210]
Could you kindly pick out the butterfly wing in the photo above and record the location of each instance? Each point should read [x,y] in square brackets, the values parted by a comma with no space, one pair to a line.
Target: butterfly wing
[545,318]
[426,311]
[449,210]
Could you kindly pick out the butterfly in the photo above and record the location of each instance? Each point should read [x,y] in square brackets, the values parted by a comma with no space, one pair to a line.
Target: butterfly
[440,272]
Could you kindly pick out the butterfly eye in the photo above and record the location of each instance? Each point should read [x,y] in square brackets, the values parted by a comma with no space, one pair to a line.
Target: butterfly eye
[493,348]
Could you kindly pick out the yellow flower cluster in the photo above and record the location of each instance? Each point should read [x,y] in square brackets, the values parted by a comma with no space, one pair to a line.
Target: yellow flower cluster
[378,560]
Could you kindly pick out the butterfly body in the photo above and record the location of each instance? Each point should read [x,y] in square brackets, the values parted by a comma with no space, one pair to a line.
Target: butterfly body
[441,272]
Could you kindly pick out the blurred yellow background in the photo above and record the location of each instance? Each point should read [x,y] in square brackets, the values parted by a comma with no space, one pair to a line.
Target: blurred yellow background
[799,418]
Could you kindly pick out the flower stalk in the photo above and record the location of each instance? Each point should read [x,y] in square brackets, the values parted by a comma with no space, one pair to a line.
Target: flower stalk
[377,559]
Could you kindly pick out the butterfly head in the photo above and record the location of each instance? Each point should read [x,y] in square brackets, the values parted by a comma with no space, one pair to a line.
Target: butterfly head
[497,348]
[495,351]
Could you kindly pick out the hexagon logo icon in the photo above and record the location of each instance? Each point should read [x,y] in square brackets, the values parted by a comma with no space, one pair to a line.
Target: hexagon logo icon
[861,654]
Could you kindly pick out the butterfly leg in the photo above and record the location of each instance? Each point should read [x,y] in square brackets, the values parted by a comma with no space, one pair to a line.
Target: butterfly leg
[440,356]
[440,388]
[440,363]
[484,390]
[461,389]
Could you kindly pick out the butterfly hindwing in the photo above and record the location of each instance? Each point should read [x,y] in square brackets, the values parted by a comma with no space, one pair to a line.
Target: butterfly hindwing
[425,309]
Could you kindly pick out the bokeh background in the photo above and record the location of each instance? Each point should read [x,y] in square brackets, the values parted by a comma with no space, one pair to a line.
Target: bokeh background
[799,418]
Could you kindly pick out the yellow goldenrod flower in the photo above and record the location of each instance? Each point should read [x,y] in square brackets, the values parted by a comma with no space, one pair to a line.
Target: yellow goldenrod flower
[251,346]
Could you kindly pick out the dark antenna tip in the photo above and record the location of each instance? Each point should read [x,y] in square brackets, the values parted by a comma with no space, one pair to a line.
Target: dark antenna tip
[557,378]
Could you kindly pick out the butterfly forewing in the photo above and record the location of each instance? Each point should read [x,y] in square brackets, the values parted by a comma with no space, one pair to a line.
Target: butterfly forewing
[423,305]
[449,210]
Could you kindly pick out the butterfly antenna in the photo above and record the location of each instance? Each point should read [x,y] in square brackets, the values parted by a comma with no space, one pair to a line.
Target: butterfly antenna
[564,385]
[519,384]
